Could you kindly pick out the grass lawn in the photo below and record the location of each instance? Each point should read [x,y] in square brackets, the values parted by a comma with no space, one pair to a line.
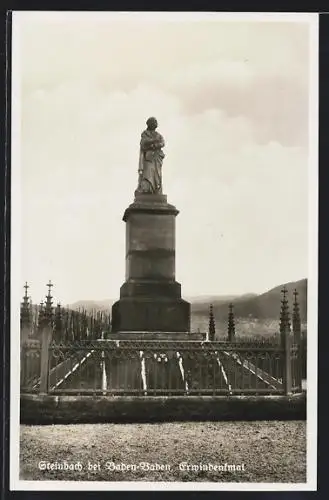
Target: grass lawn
[270,451]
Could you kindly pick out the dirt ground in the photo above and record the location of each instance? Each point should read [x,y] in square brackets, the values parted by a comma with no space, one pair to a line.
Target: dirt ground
[260,451]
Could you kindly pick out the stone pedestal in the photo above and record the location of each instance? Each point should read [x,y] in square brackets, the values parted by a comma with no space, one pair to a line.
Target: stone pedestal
[150,298]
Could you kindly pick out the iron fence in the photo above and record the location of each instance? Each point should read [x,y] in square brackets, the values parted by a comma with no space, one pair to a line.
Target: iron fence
[155,368]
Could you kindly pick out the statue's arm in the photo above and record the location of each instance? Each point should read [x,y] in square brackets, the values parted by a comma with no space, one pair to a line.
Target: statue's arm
[159,142]
[146,143]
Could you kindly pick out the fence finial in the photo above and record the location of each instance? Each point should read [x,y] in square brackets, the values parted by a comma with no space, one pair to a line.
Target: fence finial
[296,321]
[26,309]
[49,285]
[231,323]
[48,312]
[41,316]
[212,326]
[284,314]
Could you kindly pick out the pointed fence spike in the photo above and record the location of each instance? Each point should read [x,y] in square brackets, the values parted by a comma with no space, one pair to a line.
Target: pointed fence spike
[212,325]
[231,323]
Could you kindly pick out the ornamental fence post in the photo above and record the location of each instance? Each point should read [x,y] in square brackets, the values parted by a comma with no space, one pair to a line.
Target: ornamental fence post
[23,377]
[46,335]
[287,379]
[299,359]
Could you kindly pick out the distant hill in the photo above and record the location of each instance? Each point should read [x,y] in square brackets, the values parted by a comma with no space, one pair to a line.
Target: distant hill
[199,305]
[264,306]
[210,298]
[201,300]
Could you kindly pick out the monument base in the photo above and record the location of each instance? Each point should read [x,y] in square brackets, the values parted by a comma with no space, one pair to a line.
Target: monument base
[158,336]
[139,314]
[150,297]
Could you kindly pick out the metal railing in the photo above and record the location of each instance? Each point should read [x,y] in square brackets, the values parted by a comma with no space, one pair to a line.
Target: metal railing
[155,368]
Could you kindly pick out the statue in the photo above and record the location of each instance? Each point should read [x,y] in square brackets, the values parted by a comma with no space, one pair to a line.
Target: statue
[150,159]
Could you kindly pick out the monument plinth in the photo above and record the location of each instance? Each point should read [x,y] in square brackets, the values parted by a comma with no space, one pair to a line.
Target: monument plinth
[150,298]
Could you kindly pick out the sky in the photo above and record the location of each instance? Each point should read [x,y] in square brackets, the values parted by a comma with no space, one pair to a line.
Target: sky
[231,99]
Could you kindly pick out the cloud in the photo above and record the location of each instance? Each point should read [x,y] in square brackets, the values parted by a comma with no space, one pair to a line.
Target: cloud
[260,72]
[275,103]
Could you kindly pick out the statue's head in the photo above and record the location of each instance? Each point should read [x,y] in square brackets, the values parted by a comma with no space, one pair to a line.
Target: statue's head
[152,123]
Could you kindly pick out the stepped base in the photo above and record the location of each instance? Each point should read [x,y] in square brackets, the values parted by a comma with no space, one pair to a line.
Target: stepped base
[156,314]
[158,336]
[150,297]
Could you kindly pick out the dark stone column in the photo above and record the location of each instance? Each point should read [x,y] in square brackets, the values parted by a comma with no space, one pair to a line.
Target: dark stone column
[150,298]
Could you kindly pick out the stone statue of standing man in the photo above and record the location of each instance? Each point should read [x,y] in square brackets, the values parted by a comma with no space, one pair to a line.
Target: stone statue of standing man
[150,159]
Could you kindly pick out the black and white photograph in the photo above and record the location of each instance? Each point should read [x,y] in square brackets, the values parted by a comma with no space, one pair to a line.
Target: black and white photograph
[164,230]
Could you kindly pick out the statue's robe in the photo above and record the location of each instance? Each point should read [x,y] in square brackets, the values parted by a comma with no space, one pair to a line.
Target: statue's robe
[150,162]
